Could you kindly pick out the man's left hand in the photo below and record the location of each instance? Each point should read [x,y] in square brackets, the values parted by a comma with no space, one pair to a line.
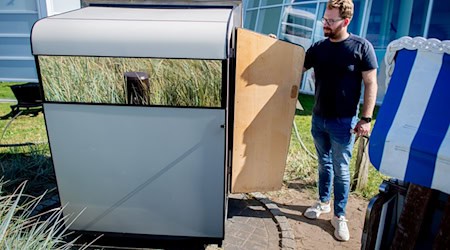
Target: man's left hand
[362,128]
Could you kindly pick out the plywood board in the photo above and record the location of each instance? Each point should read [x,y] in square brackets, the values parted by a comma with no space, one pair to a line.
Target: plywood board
[268,73]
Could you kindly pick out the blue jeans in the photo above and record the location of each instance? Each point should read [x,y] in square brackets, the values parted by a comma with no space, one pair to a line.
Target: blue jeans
[334,145]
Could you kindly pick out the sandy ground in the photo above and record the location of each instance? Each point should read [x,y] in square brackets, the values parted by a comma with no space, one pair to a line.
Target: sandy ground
[295,198]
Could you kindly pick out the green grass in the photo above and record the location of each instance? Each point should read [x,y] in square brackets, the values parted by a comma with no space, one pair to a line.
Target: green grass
[302,166]
[5,90]
[20,228]
[22,129]
[173,82]
[27,163]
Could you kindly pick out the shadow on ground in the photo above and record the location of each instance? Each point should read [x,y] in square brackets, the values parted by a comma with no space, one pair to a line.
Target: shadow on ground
[36,170]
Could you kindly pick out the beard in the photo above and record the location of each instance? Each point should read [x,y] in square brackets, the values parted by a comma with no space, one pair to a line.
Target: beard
[327,32]
[332,33]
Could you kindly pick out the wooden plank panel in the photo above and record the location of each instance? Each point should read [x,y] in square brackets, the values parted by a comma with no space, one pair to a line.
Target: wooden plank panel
[268,73]
[442,240]
[411,219]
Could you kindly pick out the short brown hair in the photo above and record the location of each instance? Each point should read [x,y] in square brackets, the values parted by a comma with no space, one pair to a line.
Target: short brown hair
[345,7]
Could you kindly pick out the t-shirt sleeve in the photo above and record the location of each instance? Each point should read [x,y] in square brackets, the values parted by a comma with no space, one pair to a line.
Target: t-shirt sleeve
[369,59]
[308,58]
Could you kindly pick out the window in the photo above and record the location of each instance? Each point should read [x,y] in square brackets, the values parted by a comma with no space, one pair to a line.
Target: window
[138,81]
[252,3]
[440,20]
[318,35]
[383,22]
[250,19]
[390,20]
[270,2]
[418,18]
[358,13]
[297,1]
[298,24]
[268,20]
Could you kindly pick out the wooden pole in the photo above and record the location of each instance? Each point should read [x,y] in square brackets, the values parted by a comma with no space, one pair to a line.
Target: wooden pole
[360,177]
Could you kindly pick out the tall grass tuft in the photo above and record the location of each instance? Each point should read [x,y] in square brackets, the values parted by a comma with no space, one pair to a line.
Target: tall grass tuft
[20,230]
[300,162]
[173,82]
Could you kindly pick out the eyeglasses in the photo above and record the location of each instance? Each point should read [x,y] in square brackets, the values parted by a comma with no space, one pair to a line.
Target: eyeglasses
[330,22]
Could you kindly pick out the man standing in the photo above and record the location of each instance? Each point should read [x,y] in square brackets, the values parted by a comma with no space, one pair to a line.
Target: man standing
[340,62]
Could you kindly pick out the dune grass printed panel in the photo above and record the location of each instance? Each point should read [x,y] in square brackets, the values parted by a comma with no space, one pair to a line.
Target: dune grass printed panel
[171,82]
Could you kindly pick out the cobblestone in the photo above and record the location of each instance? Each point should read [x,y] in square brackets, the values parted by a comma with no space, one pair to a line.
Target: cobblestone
[286,234]
[251,225]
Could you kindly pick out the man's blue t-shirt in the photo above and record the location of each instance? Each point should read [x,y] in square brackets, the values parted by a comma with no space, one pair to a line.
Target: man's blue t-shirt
[337,68]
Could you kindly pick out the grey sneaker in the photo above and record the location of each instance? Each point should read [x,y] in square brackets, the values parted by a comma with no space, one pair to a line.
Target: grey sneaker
[340,228]
[317,209]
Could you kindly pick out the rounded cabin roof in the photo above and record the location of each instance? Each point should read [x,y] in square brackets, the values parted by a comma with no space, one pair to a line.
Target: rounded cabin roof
[202,33]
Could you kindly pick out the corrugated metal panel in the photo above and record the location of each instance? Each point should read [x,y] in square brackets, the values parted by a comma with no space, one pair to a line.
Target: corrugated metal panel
[16,20]
[16,70]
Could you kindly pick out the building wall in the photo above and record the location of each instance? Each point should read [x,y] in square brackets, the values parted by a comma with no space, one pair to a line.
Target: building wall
[16,20]
[57,6]
[18,16]
[380,21]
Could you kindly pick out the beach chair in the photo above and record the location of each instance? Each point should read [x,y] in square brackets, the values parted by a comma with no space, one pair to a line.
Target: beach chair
[28,98]
[410,142]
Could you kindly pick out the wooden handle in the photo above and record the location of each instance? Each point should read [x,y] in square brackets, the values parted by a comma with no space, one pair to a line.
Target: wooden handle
[294,91]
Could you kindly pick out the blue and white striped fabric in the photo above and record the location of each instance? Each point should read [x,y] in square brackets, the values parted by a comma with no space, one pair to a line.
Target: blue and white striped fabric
[411,137]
